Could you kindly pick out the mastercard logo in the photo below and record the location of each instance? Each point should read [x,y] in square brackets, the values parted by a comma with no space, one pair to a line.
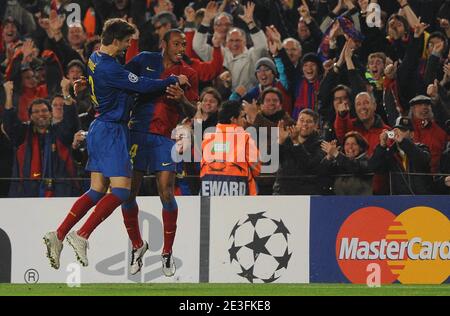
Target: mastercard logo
[413,247]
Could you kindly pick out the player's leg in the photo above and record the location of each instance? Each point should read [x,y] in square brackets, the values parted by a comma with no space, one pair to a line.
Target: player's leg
[130,211]
[120,192]
[165,181]
[53,240]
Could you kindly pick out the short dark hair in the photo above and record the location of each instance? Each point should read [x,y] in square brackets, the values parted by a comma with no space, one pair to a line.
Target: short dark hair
[342,87]
[117,29]
[229,110]
[39,101]
[311,113]
[169,33]
[270,90]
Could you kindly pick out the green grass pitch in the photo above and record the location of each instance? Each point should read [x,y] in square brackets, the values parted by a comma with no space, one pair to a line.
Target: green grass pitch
[211,289]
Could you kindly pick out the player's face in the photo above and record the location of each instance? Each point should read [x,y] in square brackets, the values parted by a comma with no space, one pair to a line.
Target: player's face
[124,44]
[176,47]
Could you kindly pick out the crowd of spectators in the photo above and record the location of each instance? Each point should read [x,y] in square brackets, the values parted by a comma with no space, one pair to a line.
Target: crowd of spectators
[360,99]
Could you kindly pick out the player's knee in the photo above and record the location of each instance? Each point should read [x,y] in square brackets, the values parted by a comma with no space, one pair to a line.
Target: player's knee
[166,196]
[122,193]
[94,195]
[129,204]
[170,205]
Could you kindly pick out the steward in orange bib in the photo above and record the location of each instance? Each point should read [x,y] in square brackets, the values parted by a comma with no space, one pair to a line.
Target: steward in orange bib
[230,160]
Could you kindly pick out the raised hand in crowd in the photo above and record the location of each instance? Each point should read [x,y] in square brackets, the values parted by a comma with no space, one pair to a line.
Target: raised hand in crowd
[384,138]
[251,109]
[348,53]
[273,40]
[79,85]
[283,132]
[446,73]
[432,89]
[343,108]
[328,65]
[9,90]
[391,70]
[27,51]
[349,4]
[304,12]
[56,23]
[247,17]
[78,139]
[330,148]
[338,7]
[241,90]
[420,28]
[399,135]
[189,14]
[225,78]
[211,11]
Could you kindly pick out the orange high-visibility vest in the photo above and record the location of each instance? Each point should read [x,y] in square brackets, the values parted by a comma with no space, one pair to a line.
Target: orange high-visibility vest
[230,162]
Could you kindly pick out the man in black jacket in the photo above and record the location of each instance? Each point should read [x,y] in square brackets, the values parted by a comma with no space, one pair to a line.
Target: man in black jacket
[300,156]
[399,155]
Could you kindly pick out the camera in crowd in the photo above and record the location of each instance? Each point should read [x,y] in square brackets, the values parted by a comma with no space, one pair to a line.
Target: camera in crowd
[390,134]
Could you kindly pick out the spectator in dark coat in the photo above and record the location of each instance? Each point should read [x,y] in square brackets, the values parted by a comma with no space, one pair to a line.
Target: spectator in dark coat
[42,152]
[300,156]
[351,165]
[402,158]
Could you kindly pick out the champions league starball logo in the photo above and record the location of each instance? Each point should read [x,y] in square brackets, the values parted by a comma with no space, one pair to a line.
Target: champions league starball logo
[259,248]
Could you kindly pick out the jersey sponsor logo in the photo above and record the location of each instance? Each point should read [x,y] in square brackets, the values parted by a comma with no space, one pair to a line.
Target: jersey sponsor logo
[165,164]
[412,248]
[149,69]
[133,78]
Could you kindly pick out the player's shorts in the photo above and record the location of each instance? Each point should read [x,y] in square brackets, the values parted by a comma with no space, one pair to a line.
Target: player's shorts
[108,149]
[151,152]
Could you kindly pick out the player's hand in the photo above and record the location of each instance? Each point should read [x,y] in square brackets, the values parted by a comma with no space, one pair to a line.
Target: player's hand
[175,92]
[183,80]
[79,85]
